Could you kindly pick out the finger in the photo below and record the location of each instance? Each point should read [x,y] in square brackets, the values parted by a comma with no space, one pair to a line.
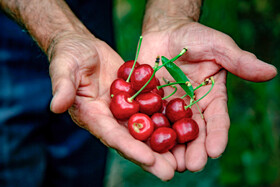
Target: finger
[205,44]
[242,63]
[217,134]
[196,155]
[160,165]
[161,168]
[228,55]
[99,121]
[117,137]
[63,84]
[217,120]
[179,152]
[216,117]
[169,157]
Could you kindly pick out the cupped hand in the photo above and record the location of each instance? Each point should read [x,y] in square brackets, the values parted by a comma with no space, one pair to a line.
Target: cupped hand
[210,53]
[82,69]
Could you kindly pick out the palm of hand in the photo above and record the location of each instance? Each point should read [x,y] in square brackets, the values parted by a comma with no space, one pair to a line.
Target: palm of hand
[198,64]
[89,99]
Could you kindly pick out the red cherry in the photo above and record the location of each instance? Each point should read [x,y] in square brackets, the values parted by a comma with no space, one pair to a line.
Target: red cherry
[189,113]
[121,107]
[163,139]
[158,91]
[175,110]
[163,107]
[149,102]
[125,68]
[120,85]
[160,120]
[140,126]
[141,75]
[186,130]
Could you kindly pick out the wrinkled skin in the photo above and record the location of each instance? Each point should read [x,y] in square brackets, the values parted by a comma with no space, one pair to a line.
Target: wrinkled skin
[83,67]
[210,53]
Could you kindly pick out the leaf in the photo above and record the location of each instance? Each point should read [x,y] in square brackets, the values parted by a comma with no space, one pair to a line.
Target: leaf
[178,75]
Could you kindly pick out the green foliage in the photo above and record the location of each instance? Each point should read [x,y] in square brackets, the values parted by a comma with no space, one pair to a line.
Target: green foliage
[252,157]
[128,15]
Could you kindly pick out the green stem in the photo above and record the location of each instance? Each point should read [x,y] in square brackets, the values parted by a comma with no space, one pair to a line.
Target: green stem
[175,90]
[213,82]
[202,84]
[175,58]
[199,111]
[199,86]
[136,57]
[169,84]
[184,96]
[139,91]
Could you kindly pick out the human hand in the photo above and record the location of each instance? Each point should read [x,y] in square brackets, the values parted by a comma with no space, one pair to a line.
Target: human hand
[210,53]
[82,69]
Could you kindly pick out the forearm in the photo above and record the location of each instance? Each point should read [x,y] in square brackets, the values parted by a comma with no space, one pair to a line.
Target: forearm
[44,20]
[163,13]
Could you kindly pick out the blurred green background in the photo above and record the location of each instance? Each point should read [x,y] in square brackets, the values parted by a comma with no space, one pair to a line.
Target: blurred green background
[252,156]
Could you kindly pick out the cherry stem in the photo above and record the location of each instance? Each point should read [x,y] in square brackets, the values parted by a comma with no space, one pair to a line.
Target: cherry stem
[199,86]
[169,84]
[199,110]
[136,57]
[175,90]
[191,103]
[202,84]
[139,91]
[184,96]
[175,58]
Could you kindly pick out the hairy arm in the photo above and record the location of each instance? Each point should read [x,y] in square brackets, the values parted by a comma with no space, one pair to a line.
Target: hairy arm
[44,20]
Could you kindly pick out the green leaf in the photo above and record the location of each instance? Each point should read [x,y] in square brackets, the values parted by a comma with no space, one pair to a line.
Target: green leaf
[178,75]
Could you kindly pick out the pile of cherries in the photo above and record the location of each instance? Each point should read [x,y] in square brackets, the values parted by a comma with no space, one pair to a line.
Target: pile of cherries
[137,97]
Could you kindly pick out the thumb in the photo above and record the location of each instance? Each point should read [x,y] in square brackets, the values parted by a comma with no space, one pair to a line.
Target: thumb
[63,84]
[242,63]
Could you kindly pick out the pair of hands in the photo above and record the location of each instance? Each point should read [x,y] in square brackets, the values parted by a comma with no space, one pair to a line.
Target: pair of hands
[82,69]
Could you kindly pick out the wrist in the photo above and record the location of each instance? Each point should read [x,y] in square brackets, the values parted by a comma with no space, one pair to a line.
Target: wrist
[58,22]
[166,14]
[63,40]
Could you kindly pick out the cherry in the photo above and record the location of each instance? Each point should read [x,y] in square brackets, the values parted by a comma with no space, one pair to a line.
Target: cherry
[186,130]
[163,139]
[140,126]
[141,75]
[120,85]
[160,120]
[149,102]
[163,107]
[125,68]
[121,107]
[175,110]
[158,91]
